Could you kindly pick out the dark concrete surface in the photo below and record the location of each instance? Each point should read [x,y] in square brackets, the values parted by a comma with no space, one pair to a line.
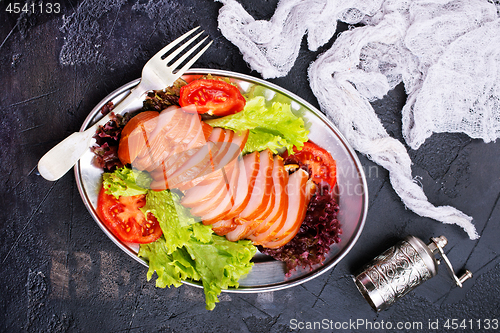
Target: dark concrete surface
[60,273]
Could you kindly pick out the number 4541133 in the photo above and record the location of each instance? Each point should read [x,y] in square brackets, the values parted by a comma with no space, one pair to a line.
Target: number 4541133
[35,8]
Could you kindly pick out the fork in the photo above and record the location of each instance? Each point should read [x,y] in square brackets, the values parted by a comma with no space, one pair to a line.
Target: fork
[156,74]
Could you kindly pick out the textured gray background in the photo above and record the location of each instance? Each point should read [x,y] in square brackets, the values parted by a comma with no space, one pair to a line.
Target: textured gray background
[59,272]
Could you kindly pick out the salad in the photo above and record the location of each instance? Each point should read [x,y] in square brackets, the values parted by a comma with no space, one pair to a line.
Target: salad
[202,177]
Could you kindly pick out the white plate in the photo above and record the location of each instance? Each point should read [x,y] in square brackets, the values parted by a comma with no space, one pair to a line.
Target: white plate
[267,273]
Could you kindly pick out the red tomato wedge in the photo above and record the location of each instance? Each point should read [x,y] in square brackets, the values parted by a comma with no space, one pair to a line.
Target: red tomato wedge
[125,220]
[319,162]
[214,97]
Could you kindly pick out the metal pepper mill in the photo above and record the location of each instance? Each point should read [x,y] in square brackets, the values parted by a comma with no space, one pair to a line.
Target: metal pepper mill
[401,269]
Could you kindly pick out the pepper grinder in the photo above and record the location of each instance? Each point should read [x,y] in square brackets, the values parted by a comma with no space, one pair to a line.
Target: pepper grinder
[401,269]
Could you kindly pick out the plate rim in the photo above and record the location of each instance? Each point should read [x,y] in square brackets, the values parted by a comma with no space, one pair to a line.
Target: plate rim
[242,289]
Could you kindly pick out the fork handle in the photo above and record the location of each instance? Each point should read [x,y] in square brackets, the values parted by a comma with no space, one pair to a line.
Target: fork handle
[57,161]
[62,157]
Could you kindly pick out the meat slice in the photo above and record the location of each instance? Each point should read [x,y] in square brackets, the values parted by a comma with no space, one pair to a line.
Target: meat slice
[299,190]
[135,135]
[241,230]
[271,199]
[199,159]
[212,203]
[206,186]
[190,134]
[167,120]
[271,231]
[217,155]
[249,168]
[176,162]
[247,227]
[181,156]
[189,172]
[195,157]
[227,154]
[219,211]
[171,141]
[201,193]
[262,188]
[181,141]
[273,216]
[158,148]
[222,227]
[192,129]
[203,131]
[207,130]
[194,140]
[275,220]
[204,191]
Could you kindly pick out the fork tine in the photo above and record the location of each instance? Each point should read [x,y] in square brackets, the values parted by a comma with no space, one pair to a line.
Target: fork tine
[164,50]
[181,71]
[192,61]
[188,53]
[180,48]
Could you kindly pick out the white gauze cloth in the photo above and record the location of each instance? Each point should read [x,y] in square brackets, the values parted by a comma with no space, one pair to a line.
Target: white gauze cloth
[447,53]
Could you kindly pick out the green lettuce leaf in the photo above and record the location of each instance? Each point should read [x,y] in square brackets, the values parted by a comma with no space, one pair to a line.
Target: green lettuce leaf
[218,264]
[177,224]
[189,250]
[171,269]
[126,182]
[271,126]
[221,264]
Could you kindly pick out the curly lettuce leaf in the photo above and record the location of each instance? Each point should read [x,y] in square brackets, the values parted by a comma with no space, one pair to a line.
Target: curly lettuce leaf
[271,126]
[190,251]
[126,182]
[177,224]
[221,264]
[171,268]
[218,264]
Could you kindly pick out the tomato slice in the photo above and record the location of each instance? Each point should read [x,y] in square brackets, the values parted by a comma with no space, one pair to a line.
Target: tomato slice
[319,163]
[214,97]
[125,220]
